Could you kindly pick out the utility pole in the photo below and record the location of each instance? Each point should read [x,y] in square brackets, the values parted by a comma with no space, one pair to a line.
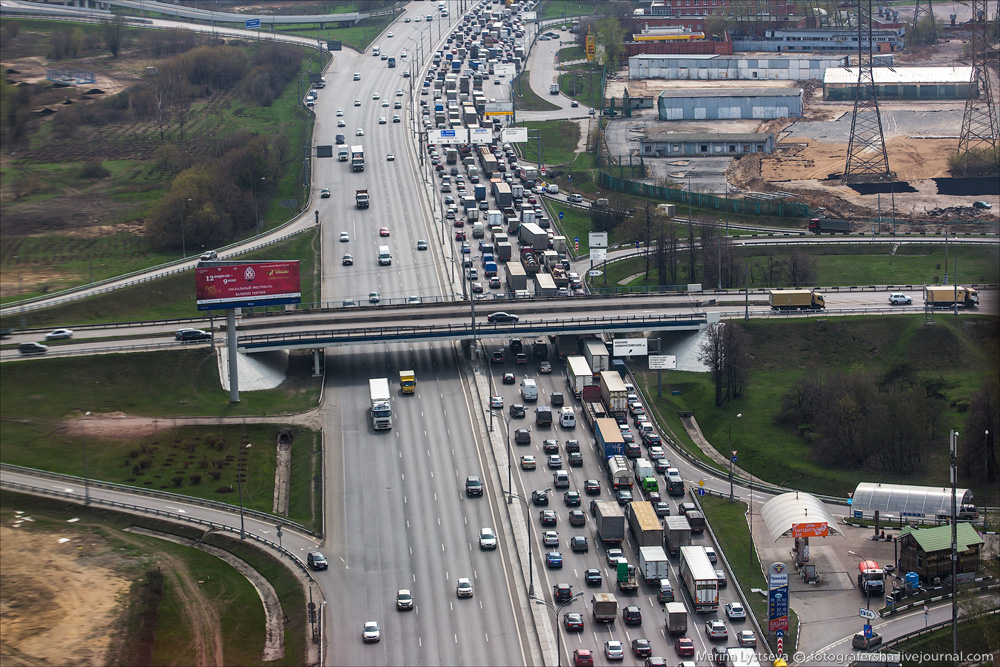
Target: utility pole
[867,160]
[980,129]
[954,543]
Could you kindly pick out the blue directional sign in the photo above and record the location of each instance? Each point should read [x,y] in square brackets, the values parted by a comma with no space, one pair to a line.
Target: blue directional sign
[867,630]
[561,216]
[447,133]
[858,514]
[636,245]
[576,239]
[701,491]
[253,24]
[734,458]
[779,633]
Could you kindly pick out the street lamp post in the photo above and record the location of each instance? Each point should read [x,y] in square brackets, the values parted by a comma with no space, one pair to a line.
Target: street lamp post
[239,483]
[557,610]
[732,456]
[531,565]
[868,590]
[746,291]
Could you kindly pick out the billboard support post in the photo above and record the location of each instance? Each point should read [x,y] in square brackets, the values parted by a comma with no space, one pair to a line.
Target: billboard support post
[234,374]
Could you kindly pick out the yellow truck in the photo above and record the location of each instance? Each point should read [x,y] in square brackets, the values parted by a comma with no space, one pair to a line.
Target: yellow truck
[796,299]
[407,382]
[944,296]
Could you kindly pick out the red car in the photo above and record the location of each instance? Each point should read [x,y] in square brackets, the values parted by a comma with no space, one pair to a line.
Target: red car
[459,236]
[684,646]
[459,222]
[383,231]
[583,658]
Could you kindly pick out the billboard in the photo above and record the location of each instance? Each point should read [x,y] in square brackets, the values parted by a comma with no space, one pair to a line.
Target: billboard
[662,362]
[591,48]
[514,134]
[245,284]
[818,529]
[458,135]
[777,597]
[480,135]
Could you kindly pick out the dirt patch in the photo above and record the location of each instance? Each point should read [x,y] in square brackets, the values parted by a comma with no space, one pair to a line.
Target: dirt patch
[60,594]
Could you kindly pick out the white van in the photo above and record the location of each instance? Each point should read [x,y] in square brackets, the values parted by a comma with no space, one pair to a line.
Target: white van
[567,417]
[529,390]
[560,479]
[384,256]
[376,50]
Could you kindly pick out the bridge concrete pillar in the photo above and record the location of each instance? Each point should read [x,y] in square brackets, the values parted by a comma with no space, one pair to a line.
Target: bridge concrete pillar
[234,372]
[316,372]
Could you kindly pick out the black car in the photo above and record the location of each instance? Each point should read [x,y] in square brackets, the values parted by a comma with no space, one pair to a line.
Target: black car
[516,345]
[516,410]
[473,486]
[540,498]
[497,356]
[316,561]
[550,446]
[592,487]
[572,445]
[573,621]
[661,465]
[185,335]
[556,399]
[575,459]
[579,544]
[593,577]
[500,317]
[571,498]
[631,615]
[548,517]
[577,518]
[641,648]
[340,139]
[562,592]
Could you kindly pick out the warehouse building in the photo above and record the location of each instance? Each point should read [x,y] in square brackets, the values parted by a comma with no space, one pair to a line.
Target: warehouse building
[844,40]
[730,104]
[715,67]
[901,83]
[705,144]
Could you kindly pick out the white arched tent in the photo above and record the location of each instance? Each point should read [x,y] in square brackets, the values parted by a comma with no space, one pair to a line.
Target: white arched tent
[784,512]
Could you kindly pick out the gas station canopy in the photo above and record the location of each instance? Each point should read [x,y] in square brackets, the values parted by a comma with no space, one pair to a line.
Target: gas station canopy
[783,513]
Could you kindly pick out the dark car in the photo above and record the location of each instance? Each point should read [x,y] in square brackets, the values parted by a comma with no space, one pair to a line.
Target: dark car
[29,349]
[578,543]
[501,317]
[516,410]
[550,446]
[721,576]
[473,486]
[592,487]
[571,498]
[583,657]
[497,357]
[340,139]
[508,378]
[593,577]
[572,445]
[575,459]
[623,496]
[661,508]
[562,592]
[540,498]
[547,517]
[684,508]
[631,615]
[661,466]
[316,561]
[522,436]
[573,622]
[577,518]
[641,648]
[185,335]
[556,399]
[684,646]
[553,560]
[516,345]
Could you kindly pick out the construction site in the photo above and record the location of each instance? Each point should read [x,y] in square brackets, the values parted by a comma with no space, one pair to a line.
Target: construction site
[847,151]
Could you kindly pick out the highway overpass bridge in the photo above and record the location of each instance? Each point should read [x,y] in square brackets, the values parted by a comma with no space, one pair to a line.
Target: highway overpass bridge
[387,333]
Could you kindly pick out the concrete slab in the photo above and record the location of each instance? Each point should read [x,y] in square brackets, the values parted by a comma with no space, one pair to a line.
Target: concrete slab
[256,371]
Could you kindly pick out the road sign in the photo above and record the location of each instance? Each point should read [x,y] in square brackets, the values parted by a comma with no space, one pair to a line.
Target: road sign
[499,108]
[701,491]
[597,254]
[514,134]
[867,629]
[252,24]
[576,245]
[593,273]
[661,362]
[779,634]
[561,217]
[701,482]
[543,171]
[734,456]
[636,245]
[598,239]
[868,613]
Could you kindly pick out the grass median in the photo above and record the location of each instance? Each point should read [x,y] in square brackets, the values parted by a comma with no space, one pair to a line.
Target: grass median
[525,98]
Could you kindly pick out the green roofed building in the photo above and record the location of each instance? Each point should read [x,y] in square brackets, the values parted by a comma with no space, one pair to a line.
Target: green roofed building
[927,551]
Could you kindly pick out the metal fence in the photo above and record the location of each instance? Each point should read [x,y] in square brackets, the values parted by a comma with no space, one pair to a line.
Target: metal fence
[776,207]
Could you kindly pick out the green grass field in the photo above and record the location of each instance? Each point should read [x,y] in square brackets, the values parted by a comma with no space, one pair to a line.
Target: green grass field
[553,9]
[582,82]
[571,53]
[786,351]
[169,297]
[559,141]
[525,98]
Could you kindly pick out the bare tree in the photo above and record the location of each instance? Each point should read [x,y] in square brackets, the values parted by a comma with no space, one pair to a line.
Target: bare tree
[692,251]
[979,437]
[606,218]
[726,352]
[712,353]
[801,268]
[113,32]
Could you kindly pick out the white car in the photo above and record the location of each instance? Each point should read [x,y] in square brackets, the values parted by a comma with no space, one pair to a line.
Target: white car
[746,639]
[388,34]
[487,538]
[712,556]
[359,132]
[340,112]
[464,588]
[735,611]
[656,452]
[375,96]
[381,120]
[613,650]
[496,402]
[416,20]
[385,104]
[716,629]
[399,92]
[341,123]
[550,538]
[357,103]
[404,599]
[344,237]
[396,118]
[390,157]
[371,633]
[897,299]
[59,334]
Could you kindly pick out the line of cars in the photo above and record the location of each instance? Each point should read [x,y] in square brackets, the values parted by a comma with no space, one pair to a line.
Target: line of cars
[34,348]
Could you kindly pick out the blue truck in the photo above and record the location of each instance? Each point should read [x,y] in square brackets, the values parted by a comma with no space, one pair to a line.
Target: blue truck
[609,438]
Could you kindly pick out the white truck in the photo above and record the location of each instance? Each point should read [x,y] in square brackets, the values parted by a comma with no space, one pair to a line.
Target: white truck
[381,402]
[698,575]
[597,355]
[613,393]
[676,618]
[578,375]
[653,564]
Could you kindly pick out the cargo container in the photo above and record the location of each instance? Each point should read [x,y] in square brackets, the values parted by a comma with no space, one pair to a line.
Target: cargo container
[945,296]
[480,191]
[504,251]
[533,236]
[604,607]
[698,575]
[494,217]
[545,285]
[795,299]
[502,195]
[613,393]
[676,533]
[597,355]
[578,374]
[826,225]
[610,442]
[517,278]
[676,618]
[653,564]
[645,525]
[609,521]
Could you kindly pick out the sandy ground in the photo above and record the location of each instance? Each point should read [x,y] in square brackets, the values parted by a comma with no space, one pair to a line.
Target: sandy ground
[59,594]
